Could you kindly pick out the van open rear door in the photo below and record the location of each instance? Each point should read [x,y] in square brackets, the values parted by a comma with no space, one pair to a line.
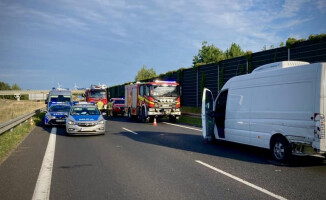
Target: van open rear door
[207,114]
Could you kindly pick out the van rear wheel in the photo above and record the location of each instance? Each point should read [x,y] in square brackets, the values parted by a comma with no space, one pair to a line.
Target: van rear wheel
[280,149]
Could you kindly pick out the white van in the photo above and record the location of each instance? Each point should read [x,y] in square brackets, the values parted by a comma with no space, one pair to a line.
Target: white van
[279,106]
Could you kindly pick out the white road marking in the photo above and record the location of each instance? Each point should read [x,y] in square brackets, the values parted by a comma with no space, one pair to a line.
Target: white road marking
[242,181]
[43,184]
[196,129]
[129,131]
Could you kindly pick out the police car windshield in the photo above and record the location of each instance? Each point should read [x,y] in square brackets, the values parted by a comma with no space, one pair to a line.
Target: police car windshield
[98,93]
[83,110]
[119,102]
[59,108]
[165,90]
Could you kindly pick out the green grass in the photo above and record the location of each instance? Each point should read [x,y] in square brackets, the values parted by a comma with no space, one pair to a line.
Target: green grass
[190,109]
[190,120]
[11,139]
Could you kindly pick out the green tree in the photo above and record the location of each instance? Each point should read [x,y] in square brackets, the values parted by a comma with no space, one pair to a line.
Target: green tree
[208,54]
[234,51]
[4,86]
[264,48]
[15,87]
[145,73]
[282,44]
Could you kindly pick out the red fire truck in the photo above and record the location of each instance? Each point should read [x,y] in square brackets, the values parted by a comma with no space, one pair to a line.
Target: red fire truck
[147,100]
[97,94]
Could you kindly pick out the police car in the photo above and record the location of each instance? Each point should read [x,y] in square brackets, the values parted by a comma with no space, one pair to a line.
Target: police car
[57,113]
[85,119]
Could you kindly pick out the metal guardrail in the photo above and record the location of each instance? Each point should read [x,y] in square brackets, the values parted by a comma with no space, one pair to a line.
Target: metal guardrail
[14,122]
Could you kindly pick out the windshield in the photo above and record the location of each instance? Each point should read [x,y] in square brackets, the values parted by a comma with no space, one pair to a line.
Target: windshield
[119,102]
[60,98]
[98,94]
[59,108]
[165,90]
[85,111]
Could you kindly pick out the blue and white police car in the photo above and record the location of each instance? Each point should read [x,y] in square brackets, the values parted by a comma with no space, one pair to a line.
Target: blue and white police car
[57,113]
[85,119]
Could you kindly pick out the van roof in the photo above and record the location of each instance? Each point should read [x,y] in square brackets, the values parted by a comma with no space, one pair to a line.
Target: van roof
[60,92]
[267,73]
[279,65]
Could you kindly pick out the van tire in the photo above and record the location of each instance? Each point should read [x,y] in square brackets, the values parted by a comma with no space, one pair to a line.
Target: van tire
[280,149]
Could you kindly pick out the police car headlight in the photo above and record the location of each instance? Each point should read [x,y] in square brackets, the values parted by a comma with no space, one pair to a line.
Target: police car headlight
[49,116]
[101,122]
[71,122]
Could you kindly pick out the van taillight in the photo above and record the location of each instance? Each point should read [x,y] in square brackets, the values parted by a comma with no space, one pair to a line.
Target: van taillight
[178,103]
[151,103]
[320,125]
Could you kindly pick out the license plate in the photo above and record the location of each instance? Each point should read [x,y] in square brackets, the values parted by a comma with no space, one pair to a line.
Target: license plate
[60,120]
[86,129]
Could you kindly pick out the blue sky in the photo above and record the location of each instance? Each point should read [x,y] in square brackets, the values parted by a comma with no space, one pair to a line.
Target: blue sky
[45,42]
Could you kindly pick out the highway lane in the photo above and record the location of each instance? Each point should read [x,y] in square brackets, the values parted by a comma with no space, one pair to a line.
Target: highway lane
[155,162]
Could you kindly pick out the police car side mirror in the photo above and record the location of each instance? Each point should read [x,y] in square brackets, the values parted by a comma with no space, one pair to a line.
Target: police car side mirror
[46,101]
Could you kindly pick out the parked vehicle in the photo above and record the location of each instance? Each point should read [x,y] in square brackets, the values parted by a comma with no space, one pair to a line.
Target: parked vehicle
[118,105]
[57,113]
[58,95]
[153,99]
[98,94]
[85,119]
[279,106]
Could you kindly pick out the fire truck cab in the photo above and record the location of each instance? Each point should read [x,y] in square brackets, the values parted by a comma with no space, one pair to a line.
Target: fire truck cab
[147,100]
[97,94]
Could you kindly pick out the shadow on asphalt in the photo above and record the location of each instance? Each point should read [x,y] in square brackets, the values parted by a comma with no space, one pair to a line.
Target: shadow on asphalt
[196,144]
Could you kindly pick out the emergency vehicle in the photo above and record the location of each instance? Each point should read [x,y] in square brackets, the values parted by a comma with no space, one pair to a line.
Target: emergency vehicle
[97,94]
[58,95]
[117,106]
[147,100]
[57,113]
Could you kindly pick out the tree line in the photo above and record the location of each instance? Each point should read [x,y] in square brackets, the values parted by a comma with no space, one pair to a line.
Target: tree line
[209,53]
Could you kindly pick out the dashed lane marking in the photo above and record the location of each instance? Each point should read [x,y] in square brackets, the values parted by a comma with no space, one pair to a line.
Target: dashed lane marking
[242,181]
[187,127]
[129,131]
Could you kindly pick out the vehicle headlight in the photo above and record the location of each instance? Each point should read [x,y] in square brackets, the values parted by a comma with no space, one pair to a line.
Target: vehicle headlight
[71,122]
[101,122]
[49,116]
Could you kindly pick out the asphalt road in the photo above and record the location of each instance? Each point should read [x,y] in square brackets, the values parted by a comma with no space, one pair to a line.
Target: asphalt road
[141,161]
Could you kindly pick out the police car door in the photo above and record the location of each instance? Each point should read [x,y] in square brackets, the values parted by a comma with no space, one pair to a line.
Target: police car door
[207,113]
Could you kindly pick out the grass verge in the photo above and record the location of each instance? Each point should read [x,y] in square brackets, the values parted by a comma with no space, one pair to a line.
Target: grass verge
[190,120]
[10,109]
[190,109]
[11,139]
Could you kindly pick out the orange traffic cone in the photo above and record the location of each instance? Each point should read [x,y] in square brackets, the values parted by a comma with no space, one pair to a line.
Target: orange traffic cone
[154,123]
[31,122]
